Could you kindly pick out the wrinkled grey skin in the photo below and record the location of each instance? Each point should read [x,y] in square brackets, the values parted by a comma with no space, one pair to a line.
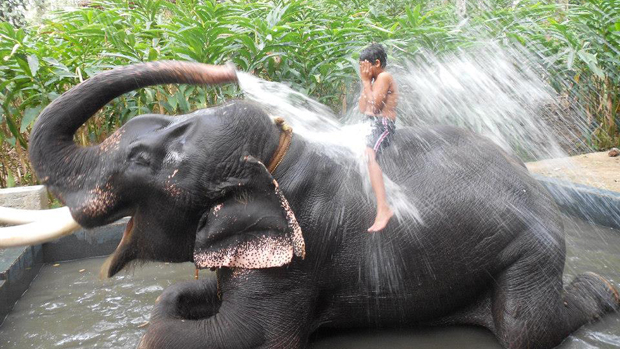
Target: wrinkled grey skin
[490,250]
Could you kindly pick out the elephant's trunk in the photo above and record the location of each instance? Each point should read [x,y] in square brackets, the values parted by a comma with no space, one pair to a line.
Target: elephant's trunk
[53,153]
[74,173]
[67,168]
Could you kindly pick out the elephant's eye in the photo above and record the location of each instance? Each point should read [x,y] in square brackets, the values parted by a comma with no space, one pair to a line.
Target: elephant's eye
[143,159]
[140,158]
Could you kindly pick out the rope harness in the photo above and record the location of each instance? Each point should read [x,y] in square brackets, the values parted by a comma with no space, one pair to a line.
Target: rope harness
[286,135]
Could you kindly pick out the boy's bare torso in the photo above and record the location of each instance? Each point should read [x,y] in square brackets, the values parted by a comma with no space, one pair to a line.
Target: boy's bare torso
[388,94]
[389,108]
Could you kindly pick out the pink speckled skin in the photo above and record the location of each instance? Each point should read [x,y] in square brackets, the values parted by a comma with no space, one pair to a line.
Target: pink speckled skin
[291,250]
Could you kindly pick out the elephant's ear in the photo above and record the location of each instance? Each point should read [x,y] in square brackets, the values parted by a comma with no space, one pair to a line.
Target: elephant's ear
[252,227]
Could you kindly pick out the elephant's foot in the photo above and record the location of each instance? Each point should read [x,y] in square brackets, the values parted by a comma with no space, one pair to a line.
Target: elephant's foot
[178,313]
[191,316]
[592,295]
[542,314]
[189,300]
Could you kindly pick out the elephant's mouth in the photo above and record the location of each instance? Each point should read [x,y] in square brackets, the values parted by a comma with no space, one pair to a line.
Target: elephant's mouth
[127,232]
[121,256]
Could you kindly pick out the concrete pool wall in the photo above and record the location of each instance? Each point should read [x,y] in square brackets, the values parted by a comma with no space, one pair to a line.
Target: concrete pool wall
[19,266]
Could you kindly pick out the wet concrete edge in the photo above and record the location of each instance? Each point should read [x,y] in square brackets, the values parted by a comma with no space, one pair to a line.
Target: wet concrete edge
[15,279]
[598,206]
[22,264]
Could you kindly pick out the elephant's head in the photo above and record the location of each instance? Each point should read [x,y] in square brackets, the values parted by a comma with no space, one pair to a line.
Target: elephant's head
[195,186]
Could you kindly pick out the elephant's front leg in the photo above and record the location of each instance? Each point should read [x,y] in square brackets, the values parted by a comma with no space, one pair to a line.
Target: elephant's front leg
[188,300]
[259,309]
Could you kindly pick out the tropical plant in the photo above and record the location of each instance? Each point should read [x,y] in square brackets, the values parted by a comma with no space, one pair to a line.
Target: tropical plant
[311,45]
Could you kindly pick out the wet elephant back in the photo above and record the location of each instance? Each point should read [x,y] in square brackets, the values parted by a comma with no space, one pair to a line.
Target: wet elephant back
[471,198]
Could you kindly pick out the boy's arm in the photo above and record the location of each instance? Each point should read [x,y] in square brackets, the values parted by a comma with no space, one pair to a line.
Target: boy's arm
[366,99]
[363,100]
[366,94]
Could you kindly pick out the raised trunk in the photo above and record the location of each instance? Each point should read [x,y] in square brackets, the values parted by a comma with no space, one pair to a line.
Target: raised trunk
[66,167]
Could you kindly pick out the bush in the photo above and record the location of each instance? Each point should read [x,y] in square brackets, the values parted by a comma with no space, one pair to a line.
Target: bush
[312,45]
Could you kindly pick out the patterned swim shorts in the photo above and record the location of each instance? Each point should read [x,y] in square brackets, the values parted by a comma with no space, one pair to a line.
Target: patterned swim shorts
[382,131]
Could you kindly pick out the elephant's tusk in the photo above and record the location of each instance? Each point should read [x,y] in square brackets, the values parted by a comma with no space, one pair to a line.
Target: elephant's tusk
[53,227]
[15,216]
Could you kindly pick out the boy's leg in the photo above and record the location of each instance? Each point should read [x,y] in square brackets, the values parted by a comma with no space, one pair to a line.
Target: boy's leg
[384,212]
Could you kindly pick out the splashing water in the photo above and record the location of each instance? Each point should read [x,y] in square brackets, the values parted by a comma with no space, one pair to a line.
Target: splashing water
[501,93]
[309,118]
[342,143]
[494,91]
[317,123]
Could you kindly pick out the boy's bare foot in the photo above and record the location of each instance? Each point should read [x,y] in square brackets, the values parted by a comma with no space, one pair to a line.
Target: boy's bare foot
[383,217]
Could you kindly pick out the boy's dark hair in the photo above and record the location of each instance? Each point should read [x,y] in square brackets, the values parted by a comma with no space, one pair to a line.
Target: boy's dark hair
[374,52]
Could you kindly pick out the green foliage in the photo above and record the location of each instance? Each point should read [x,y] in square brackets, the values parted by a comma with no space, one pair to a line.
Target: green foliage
[312,45]
[12,11]
[581,50]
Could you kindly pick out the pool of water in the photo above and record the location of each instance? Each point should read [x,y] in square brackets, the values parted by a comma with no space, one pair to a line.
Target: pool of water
[68,306]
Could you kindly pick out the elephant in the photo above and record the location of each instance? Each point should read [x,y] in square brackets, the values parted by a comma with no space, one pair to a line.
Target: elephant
[288,242]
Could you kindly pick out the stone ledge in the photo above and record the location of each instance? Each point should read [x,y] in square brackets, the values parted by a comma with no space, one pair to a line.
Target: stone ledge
[16,277]
[31,198]
[19,265]
[594,205]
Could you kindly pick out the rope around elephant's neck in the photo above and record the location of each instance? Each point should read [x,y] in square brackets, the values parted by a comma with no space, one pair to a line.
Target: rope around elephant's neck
[286,135]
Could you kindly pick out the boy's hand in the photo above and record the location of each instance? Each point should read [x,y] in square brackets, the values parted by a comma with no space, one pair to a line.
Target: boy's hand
[365,70]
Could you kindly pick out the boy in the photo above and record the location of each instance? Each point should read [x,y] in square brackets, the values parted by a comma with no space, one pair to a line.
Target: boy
[378,102]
